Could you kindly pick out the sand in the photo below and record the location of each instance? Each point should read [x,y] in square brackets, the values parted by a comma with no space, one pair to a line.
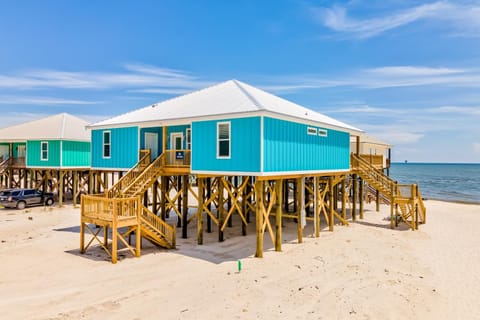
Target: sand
[360,271]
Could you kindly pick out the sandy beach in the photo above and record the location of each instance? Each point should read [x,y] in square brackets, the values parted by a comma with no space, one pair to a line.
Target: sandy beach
[361,271]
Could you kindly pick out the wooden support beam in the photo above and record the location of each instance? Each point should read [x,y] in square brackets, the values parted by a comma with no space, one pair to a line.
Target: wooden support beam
[209,206]
[61,176]
[377,200]
[114,233]
[278,216]
[163,192]
[155,197]
[245,205]
[75,188]
[332,207]
[344,198]
[259,217]
[179,201]
[200,183]
[300,188]
[220,209]
[354,197]
[184,206]
[316,211]
[361,189]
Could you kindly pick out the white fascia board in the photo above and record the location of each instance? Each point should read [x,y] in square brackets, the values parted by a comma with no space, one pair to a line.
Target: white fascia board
[282,116]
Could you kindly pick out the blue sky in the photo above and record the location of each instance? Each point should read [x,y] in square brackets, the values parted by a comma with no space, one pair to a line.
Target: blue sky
[407,72]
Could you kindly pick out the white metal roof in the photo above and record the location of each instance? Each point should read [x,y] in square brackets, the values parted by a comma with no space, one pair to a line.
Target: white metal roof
[62,126]
[226,98]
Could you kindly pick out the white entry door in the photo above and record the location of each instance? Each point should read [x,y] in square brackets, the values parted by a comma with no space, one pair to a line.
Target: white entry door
[151,142]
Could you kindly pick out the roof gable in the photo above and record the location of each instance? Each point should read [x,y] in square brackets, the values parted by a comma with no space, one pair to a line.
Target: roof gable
[62,126]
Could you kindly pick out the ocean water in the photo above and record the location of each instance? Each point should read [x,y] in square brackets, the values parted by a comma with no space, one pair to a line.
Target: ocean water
[441,181]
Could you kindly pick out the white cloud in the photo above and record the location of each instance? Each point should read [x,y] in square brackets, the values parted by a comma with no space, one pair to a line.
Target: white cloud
[476,147]
[45,101]
[377,78]
[455,110]
[134,76]
[464,20]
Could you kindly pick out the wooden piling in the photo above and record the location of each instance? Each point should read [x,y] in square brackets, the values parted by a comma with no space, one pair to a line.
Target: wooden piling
[200,210]
[220,210]
[259,217]
[278,216]
[354,197]
[300,200]
[331,205]
[185,206]
[361,189]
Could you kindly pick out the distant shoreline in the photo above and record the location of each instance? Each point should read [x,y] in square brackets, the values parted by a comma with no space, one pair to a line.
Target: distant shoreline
[453,201]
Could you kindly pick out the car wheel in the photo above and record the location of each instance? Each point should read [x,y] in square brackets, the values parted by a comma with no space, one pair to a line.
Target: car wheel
[21,205]
[49,202]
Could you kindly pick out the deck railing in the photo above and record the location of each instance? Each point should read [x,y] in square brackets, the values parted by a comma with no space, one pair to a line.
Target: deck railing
[177,158]
[16,162]
[97,207]
[374,160]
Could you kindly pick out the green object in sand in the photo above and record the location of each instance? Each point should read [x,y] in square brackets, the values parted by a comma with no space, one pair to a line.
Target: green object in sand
[239,265]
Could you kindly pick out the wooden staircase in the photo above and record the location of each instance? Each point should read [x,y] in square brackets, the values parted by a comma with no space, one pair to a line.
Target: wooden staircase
[405,199]
[133,184]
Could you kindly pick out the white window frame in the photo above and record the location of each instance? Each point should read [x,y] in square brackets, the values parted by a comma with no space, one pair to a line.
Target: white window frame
[188,134]
[311,131]
[323,132]
[229,140]
[109,144]
[43,143]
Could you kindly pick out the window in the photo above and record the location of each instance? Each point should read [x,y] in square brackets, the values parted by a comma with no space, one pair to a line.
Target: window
[44,151]
[322,132]
[223,140]
[312,131]
[106,144]
[189,139]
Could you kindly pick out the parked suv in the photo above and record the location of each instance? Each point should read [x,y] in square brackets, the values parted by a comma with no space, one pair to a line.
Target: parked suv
[20,198]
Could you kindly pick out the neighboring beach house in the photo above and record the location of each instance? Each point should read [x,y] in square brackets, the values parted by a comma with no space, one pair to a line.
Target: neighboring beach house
[376,152]
[230,128]
[35,152]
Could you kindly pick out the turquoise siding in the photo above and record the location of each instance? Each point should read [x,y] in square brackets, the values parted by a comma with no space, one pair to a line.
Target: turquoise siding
[75,154]
[288,147]
[34,154]
[124,148]
[245,146]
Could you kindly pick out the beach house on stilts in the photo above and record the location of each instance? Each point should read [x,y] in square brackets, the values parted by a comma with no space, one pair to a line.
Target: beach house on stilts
[51,154]
[236,150]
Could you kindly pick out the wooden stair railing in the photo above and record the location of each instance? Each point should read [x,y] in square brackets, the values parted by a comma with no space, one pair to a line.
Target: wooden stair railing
[146,178]
[374,177]
[156,230]
[117,189]
[407,198]
[4,165]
